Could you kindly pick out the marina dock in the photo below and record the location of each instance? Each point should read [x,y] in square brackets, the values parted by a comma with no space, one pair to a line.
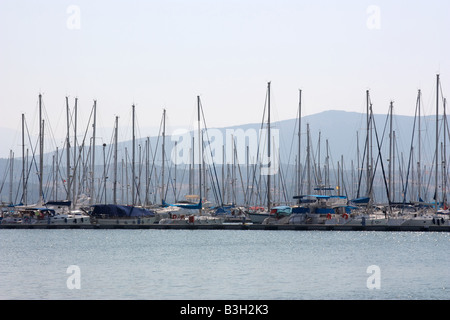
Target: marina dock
[273,227]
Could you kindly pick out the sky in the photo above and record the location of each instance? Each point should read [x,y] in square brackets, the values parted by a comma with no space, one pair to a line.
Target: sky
[159,55]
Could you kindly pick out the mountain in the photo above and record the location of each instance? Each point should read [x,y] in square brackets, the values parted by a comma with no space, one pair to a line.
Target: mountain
[334,136]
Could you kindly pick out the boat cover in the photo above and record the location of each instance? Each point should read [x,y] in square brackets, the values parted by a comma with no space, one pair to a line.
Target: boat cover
[185,206]
[361,200]
[113,210]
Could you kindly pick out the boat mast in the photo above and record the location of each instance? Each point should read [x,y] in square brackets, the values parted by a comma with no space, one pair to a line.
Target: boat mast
[133,159]
[68,149]
[74,177]
[369,150]
[163,158]
[390,151]
[419,176]
[444,160]
[11,173]
[437,145]
[299,139]
[93,155]
[24,184]
[147,172]
[200,154]
[41,149]
[308,158]
[268,148]
[116,129]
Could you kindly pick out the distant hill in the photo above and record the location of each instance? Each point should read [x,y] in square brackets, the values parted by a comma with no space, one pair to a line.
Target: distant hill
[344,133]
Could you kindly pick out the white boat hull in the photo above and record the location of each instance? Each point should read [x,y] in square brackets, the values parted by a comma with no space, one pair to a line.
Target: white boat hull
[258,218]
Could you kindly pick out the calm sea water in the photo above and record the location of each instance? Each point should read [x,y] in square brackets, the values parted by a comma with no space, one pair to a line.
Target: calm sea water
[223,264]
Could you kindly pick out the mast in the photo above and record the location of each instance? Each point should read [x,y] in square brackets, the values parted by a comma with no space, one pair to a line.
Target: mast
[24,184]
[116,129]
[369,151]
[268,148]
[299,140]
[391,145]
[147,172]
[419,176]
[93,154]
[444,160]
[133,159]
[437,145]
[200,154]
[41,149]
[394,139]
[74,177]
[57,174]
[163,154]
[11,173]
[175,174]
[367,142]
[191,166]
[68,149]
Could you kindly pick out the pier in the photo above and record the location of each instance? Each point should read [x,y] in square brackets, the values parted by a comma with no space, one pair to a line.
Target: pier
[273,227]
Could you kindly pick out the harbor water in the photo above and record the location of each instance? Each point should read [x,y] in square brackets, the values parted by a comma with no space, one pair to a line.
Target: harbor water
[223,265]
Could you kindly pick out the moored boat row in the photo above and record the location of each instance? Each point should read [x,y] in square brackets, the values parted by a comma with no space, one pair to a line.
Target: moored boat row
[310,210]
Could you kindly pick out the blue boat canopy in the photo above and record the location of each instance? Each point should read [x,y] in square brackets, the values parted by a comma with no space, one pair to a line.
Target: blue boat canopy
[361,200]
[185,206]
[112,210]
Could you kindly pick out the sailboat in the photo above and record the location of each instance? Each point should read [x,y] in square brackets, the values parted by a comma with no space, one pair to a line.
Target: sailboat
[189,213]
[116,214]
[257,215]
[42,212]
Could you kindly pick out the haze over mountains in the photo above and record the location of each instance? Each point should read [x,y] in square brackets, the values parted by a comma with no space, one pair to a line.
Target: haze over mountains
[341,129]
[335,136]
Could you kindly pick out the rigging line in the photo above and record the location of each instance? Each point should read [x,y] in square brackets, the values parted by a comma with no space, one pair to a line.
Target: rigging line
[104,176]
[153,167]
[208,140]
[379,157]
[52,136]
[33,159]
[5,174]
[239,169]
[283,185]
[344,179]
[360,169]
[430,176]
[19,187]
[255,180]
[410,154]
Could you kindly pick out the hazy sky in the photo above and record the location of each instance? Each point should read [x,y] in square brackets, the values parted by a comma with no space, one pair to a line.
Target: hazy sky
[162,54]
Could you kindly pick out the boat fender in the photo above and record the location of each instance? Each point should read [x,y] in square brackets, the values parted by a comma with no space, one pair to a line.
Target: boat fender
[65,220]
